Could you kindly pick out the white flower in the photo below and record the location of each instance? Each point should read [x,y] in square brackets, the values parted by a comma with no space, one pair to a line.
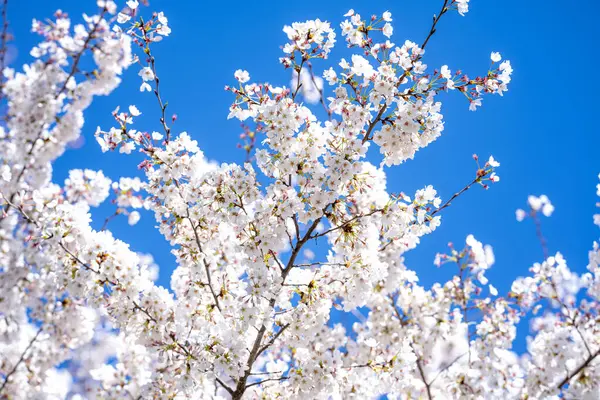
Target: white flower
[242,76]
[109,5]
[493,163]
[5,173]
[133,218]
[127,147]
[547,209]
[483,256]
[387,30]
[445,72]
[361,66]
[349,13]
[463,6]
[156,136]
[387,16]
[163,30]
[331,76]
[122,18]
[474,104]
[162,19]
[105,373]
[133,110]
[542,204]
[496,57]
[534,202]
[146,74]
[133,4]
[520,214]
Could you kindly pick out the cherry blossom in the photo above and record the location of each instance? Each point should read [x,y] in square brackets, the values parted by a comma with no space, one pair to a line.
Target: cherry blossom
[247,313]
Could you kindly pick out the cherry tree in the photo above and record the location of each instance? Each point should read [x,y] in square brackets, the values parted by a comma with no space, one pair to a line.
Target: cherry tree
[245,317]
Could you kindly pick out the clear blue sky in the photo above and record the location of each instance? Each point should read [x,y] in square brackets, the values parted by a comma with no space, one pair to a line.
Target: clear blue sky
[543,131]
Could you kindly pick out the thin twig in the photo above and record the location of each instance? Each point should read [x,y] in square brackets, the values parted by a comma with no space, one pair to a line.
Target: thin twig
[108,219]
[283,378]
[21,359]
[206,265]
[446,367]
[266,346]
[3,46]
[163,106]
[455,195]
[321,92]
[578,370]
[346,223]
[227,388]
[540,235]
[298,83]
[422,373]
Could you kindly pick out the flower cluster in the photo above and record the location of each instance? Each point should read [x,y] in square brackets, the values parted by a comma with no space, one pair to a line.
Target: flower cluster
[536,205]
[248,312]
[311,39]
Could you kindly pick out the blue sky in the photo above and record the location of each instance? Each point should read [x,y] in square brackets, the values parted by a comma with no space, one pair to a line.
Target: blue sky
[543,130]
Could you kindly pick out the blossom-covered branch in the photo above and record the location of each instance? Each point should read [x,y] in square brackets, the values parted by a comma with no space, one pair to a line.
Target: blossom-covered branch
[267,249]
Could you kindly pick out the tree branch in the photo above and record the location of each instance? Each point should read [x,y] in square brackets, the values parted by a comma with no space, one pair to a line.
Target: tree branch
[455,195]
[422,373]
[581,367]
[436,19]
[283,378]
[74,69]
[227,388]
[346,223]
[206,265]
[3,46]
[21,359]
